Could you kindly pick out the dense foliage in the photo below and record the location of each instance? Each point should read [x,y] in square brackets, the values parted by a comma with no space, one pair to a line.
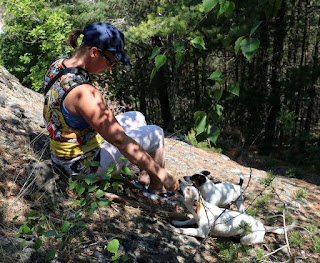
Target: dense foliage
[185,54]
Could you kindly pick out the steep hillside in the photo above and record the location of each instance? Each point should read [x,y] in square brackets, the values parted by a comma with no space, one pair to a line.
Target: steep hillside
[143,226]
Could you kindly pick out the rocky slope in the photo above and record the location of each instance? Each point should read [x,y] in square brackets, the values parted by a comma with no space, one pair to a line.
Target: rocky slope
[28,182]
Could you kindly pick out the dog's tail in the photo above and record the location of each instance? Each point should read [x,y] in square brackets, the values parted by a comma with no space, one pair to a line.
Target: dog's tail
[280,230]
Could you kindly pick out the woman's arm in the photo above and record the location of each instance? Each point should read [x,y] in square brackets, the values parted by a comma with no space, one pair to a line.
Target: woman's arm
[87,101]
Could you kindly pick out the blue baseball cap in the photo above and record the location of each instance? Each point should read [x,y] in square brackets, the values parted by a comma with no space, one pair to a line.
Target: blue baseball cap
[107,38]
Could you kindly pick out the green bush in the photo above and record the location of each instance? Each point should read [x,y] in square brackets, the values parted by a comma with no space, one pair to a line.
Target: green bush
[91,194]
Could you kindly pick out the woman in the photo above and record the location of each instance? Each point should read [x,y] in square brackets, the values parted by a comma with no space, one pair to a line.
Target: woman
[81,126]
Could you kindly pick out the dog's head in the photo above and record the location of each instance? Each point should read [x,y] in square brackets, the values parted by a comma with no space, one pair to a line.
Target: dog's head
[190,195]
[197,179]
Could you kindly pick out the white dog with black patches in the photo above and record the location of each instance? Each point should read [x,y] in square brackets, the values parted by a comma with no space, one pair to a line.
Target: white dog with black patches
[220,194]
[220,222]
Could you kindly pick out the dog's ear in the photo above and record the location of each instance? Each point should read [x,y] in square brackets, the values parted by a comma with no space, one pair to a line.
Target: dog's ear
[206,173]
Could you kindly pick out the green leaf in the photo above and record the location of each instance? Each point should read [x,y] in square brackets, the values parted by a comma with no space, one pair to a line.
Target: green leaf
[37,243]
[125,170]
[218,94]
[178,46]
[153,73]
[237,45]
[125,258]
[106,185]
[80,189]
[160,60]
[50,233]
[201,137]
[155,52]
[218,109]
[217,75]
[104,203]
[224,5]
[112,167]
[92,208]
[23,243]
[73,185]
[40,231]
[86,164]
[113,246]
[179,57]
[198,42]
[209,4]
[95,164]
[230,9]
[50,255]
[233,88]
[116,184]
[61,235]
[90,181]
[213,134]
[81,224]
[254,28]
[216,113]
[100,193]
[25,229]
[249,46]
[65,226]
[30,215]
[201,120]
[117,176]
[92,188]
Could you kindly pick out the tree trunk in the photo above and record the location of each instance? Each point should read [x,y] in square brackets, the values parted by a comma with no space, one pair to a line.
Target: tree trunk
[274,98]
[160,83]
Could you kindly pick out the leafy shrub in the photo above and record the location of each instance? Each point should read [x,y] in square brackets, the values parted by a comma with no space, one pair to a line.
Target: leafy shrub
[90,190]
[296,240]
[294,173]
[301,193]
[191,138]
[231,252]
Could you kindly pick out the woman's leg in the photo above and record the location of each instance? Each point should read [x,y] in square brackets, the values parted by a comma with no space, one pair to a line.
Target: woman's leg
[156,185]
[131,120]
[151,139]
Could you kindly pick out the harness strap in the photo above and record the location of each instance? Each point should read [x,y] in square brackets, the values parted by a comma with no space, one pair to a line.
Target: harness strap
[74,70]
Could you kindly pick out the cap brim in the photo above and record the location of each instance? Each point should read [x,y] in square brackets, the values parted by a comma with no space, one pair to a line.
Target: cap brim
[123,58]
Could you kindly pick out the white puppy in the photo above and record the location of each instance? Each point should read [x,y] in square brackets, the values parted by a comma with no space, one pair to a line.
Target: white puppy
[220,222]
[220,194]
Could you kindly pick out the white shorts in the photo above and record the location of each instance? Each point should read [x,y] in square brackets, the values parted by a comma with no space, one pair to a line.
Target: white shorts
[150,137]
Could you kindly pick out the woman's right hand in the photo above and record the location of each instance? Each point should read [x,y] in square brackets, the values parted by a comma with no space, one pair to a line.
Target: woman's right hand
[171,183]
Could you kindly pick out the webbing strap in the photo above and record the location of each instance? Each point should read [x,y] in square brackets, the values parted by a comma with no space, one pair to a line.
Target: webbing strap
[74,70]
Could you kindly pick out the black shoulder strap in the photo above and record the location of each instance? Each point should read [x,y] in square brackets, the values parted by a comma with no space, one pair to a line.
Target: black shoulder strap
[74,70]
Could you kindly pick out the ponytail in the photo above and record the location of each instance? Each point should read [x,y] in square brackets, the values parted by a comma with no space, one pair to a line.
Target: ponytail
[73,37]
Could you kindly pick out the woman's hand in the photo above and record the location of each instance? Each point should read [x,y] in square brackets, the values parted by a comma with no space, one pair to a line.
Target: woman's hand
[171,183]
